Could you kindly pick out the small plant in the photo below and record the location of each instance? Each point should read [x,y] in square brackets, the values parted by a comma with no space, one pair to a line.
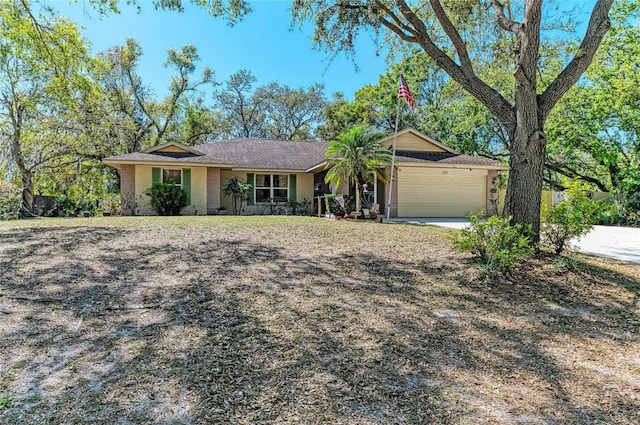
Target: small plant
[5,402]
[570,219]
[238,189]
[562,264]
[111,204]
[497,244]
[167,199]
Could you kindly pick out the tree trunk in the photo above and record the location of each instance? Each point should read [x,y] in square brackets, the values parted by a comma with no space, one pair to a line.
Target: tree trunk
[524,188]
[528,142]
[26,208]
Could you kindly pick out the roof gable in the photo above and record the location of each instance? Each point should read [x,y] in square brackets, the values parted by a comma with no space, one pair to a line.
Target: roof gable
[173,148]
[413,141]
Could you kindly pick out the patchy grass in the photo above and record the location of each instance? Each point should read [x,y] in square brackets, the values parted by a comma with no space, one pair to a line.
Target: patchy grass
[285,320]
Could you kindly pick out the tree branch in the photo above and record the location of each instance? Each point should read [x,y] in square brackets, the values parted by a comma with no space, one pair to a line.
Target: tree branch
[598,26]
[454,36]
[504,22]
[397,26]
[566,171]
[488,96]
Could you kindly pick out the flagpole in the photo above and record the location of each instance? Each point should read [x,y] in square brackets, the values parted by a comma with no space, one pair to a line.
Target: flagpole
[393,159]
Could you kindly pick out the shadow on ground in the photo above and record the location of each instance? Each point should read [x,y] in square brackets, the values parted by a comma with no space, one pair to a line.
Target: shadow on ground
[304,322]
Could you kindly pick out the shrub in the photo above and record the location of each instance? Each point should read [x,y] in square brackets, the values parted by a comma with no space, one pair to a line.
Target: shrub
[112,204]
[570,219]
[167,199]
[71,206]
[633,202]
[610,213]
[497,244]
[10,201]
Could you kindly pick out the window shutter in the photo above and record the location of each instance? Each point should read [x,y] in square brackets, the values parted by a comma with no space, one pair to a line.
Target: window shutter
[292,187]
[251,180]
[186,183]
[155,176]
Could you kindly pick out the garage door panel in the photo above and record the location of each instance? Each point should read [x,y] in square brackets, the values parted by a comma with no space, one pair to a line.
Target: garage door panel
[440,193]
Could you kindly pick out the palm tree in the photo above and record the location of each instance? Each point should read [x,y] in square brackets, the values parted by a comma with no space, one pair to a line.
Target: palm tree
[357,157]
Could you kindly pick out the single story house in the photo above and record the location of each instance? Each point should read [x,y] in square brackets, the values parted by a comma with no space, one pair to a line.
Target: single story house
[431,180]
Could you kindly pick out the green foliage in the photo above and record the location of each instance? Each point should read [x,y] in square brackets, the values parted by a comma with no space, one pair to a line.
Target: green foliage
[10,200]
[272,111]
[238,189]
[498,244]
[633,202]
[167,199]
[46,74]
[569,219]
[625,213]
[300,207]
[562,264]
[356,157]
[594,134]
[72,206]
[5,402]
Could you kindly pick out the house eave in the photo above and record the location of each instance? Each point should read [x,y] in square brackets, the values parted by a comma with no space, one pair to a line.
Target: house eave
[439,165]
[182,164]
[270,170]
[318,167]
[174,144]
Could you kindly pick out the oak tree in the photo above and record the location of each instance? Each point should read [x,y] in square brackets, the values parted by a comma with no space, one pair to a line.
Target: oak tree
[438,28]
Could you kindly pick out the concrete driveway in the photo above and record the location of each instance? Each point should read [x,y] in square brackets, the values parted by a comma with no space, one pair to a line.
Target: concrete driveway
[620,243]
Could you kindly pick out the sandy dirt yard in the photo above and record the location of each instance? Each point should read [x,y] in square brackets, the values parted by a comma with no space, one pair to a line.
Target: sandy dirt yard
[289,320]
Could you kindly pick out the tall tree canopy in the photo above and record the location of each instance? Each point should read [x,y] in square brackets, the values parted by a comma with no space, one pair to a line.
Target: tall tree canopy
[594,134]
[447,31]
[45,77]
[138,120]
[273,111]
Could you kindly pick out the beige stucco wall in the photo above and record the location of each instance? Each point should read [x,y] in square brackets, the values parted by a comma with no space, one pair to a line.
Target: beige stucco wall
[304,188]
[198,190]
[143,182]
[213,189]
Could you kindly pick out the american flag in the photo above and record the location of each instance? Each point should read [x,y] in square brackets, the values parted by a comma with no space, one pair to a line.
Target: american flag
[404,92]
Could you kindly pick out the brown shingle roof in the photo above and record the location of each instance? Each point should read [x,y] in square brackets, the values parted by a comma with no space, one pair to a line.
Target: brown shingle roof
[267,154]
[163,157]
[284,155]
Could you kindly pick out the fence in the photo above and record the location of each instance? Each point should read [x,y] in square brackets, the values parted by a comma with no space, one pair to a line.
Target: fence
[549,199]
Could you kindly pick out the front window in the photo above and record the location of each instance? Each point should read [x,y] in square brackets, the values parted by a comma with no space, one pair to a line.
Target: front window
[172,177]
[271,186]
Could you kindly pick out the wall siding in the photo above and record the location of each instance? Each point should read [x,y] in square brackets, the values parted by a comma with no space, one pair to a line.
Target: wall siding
[409,142]
[213,189]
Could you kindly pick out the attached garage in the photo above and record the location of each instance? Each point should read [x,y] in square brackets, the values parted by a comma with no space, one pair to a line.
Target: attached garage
[432,180]
[440,192]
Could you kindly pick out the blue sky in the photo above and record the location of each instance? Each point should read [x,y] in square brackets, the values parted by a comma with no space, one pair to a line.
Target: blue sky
[262,43]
